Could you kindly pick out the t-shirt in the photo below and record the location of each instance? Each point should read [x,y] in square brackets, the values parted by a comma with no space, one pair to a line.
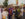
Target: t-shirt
[18,10]
[16,13]
[13,11]
[21,12]
[4,13]
[10,11]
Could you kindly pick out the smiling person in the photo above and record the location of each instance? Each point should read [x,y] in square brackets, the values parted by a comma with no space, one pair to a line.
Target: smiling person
[10,13]
[4,13]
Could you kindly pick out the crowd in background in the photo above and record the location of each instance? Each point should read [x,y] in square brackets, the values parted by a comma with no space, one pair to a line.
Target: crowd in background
[9,13]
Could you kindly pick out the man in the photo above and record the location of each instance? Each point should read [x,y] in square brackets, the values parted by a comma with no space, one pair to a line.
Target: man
[16,13]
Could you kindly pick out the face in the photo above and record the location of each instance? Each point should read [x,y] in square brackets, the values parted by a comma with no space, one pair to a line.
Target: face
[23,5]
[5,9]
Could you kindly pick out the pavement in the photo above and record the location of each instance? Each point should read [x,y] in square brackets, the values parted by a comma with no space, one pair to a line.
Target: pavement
[13,16]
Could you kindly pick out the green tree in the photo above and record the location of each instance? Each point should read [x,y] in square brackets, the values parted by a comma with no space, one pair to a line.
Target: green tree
[5,3]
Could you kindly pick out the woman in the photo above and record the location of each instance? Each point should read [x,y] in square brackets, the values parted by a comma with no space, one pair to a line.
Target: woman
[10,13]
[16,13]
[0,14]
[5,13]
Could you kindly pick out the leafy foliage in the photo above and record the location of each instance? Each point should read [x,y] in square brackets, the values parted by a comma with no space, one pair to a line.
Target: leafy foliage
[5,3]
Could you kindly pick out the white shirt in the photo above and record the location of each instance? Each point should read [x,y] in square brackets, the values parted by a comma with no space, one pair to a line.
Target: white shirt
[4,13]
[21,12]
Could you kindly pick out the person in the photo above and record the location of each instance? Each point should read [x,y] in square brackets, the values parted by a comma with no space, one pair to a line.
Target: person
[4,13]
[21,11]
[16,13]
[10,13]
[24,14]
[0,13]
[13,10]
[2,9]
